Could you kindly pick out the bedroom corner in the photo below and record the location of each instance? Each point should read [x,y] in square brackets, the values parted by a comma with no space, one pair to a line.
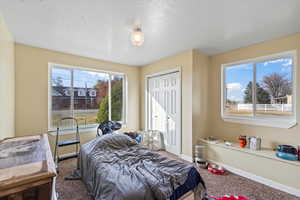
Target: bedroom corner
[7,82]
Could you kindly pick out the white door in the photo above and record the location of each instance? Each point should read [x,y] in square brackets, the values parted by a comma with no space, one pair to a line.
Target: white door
[164,106]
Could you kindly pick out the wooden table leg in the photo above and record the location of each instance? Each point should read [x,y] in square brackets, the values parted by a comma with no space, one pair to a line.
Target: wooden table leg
[45,191]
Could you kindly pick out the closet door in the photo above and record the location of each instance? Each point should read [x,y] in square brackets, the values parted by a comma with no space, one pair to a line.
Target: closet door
[157,111]
[164,109]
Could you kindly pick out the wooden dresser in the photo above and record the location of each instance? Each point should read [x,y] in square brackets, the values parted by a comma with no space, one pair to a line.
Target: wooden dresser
[27,169]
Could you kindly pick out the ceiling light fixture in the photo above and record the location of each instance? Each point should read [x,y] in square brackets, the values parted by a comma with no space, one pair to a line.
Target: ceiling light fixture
[137,37]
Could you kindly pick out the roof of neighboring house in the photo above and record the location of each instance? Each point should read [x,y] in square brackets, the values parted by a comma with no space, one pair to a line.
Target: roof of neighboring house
[60,91]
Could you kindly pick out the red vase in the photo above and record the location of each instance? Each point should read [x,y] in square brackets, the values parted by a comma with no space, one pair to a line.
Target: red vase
[243,141]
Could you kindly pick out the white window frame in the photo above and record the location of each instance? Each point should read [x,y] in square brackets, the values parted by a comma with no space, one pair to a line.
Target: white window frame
[268,120]
[73,67]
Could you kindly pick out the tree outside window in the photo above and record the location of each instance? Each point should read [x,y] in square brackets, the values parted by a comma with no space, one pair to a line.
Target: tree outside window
[85,95]
[273,88]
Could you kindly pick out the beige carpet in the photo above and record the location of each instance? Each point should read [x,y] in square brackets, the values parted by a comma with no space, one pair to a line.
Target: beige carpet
[216,185]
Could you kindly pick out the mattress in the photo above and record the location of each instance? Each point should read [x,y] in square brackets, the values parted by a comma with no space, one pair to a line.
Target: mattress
[115,167]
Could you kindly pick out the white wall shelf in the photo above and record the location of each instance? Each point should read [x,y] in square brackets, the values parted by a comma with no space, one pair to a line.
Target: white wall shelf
[261,166]
[264,152]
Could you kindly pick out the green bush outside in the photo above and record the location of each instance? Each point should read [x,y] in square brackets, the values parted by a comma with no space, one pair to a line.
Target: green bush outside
[116,103]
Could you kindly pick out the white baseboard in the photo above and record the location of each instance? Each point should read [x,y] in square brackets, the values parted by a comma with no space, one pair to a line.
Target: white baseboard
[260,179]
[187,158]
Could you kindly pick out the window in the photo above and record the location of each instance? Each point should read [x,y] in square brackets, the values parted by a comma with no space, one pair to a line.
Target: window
[89,96]
[260,91]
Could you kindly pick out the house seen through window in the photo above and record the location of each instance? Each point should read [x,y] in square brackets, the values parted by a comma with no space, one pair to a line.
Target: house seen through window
[259,88]
[89,96]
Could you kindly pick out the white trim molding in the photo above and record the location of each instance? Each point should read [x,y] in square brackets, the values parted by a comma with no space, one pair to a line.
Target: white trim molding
[73,131]
[267,122]
[147,76]
[259,120]
[260,179]
[146,98]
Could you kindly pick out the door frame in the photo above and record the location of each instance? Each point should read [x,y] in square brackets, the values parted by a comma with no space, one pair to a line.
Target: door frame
[162,73]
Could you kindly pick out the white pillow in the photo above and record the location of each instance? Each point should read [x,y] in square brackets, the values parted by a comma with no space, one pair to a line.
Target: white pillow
[153,140]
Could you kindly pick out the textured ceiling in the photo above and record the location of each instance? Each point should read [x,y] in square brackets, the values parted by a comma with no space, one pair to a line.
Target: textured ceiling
[101,28]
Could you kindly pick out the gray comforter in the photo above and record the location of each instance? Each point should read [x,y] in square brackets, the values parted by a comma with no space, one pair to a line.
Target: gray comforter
[115,167]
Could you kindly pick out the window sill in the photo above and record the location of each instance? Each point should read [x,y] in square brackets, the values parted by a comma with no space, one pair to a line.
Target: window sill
[81,130]
[69,132]
[268,122]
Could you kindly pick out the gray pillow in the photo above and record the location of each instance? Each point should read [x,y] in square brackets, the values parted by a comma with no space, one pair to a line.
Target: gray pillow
[115,140]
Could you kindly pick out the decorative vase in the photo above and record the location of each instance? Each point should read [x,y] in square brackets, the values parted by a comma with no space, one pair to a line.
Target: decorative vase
[243,141]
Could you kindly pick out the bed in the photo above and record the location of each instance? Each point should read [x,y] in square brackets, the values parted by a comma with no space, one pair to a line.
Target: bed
[115,167]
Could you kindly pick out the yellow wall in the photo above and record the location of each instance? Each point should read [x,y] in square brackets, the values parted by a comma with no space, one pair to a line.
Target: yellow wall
[32,90]
[184,61]
[200,95]
[200,91]
[32,87]
[7,82]
[231,131]
[194,66]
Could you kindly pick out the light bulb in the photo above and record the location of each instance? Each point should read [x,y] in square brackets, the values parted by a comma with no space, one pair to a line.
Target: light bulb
[137,37]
